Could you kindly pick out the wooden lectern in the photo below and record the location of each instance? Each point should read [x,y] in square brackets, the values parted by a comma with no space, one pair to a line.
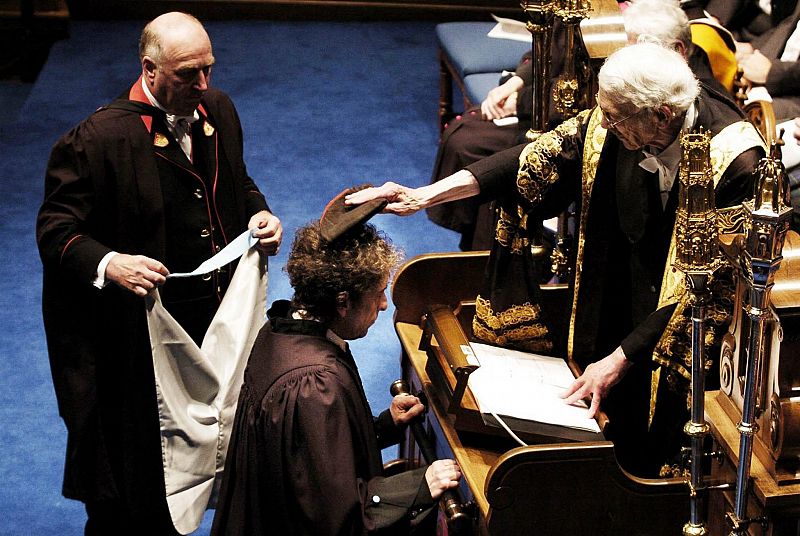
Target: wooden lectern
[548,488]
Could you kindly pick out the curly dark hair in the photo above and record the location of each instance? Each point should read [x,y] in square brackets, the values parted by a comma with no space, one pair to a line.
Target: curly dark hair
[355,263]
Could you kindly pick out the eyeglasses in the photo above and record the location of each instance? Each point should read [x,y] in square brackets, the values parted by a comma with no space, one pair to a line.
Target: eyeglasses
[612,125]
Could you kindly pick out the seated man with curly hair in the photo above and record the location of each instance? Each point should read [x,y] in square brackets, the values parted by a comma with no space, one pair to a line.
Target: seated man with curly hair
[305,453]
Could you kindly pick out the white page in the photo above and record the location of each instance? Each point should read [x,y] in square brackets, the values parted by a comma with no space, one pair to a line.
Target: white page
[510,29]
[526,386]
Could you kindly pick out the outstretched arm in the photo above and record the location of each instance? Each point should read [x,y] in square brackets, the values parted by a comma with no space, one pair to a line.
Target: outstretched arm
[404,201]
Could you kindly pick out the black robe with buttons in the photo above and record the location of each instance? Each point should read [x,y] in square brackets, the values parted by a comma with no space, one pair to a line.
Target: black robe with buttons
[305,453]
[119,182]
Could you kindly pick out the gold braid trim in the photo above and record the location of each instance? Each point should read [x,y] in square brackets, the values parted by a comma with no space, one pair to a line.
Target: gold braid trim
[537,163]
[507,231]
[673,350]
[537,171]
[519,326]
[593,147]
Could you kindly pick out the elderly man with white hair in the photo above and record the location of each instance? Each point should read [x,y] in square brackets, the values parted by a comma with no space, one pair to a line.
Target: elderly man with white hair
[618,162]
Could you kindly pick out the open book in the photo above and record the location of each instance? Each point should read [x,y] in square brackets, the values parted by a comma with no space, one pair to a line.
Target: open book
[524,390]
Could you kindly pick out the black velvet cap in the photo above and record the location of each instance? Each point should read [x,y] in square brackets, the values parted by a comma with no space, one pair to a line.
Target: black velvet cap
[338,218]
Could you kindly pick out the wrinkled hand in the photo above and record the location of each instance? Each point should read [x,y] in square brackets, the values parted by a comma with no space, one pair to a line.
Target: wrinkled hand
[403,201]
[756,67]
[136,273]
[502,100]
[441,476]
[269,231]
[405,408]
[598,379]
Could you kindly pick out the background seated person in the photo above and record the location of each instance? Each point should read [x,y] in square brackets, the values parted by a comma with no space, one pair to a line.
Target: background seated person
[748,19]
[770,61]
[305,454]
[619,163]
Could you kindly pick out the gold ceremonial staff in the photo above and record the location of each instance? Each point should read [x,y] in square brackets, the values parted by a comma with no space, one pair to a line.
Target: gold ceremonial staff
[697,256]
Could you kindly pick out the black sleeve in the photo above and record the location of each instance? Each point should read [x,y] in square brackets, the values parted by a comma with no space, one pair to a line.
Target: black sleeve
[63,223]
[638,345]
[738,181]
[317,407]
[388,433]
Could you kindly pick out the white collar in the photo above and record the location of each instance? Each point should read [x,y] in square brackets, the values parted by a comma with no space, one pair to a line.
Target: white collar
[172,119]
[302,314]
[670,156]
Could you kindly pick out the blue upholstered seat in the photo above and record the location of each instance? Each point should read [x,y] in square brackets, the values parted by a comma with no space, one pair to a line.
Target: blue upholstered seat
[473,62]
[478,85]
[470,51]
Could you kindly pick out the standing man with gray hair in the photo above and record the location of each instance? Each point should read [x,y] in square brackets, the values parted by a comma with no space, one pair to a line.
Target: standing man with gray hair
[618,162]
[153,182]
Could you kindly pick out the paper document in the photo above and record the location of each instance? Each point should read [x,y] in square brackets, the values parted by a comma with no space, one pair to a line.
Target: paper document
[228,254]
[510,29]
[506,121]
[526,386]
[790,152]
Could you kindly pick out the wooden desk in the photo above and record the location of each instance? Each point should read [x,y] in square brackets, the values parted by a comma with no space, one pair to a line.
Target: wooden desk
[561,488]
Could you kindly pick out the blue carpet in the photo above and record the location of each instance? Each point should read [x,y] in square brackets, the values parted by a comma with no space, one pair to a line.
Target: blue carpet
[323,106]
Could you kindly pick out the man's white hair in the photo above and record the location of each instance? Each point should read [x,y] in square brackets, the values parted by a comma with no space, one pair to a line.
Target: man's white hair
[661,21]
[648,76]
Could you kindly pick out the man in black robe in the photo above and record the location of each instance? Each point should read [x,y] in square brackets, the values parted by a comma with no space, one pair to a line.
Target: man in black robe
[305,455]
[153,182]
[618,162]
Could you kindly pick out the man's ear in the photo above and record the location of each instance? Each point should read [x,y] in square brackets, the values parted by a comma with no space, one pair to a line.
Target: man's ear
[664,115]
[342,303]
[680,47]
[148,68]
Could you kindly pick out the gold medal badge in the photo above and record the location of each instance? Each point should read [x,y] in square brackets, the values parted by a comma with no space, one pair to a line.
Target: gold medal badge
[208,130]
[160,140]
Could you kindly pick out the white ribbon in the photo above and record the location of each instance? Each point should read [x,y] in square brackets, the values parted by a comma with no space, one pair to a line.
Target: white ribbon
[229,253]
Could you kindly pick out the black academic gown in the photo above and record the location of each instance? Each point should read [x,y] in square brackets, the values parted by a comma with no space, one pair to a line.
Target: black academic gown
[118,181]
[305,454]
[625,249]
